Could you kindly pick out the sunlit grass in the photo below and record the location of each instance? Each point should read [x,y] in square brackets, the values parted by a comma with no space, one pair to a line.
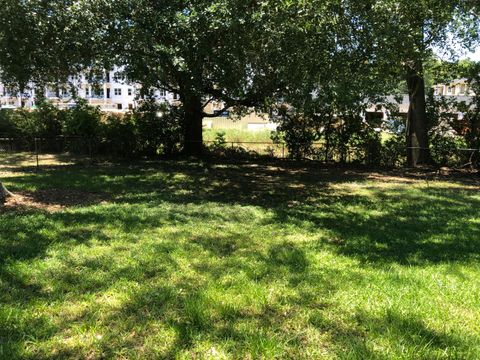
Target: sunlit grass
[234,135]
[241,261]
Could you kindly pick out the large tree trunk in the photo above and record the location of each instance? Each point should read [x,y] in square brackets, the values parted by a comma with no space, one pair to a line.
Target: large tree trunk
[193,111]
[417,128]
[4,194]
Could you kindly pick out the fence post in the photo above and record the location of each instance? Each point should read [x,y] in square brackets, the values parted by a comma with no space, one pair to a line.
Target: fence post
[90,150]
[36,152]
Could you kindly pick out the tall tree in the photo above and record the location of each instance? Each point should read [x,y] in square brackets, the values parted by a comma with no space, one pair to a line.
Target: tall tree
[17,44]
[407,33]
[202,50]
[43,41]
[334,78]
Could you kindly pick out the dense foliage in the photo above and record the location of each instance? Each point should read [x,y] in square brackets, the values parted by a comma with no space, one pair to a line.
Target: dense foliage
[327,60]
[151,130]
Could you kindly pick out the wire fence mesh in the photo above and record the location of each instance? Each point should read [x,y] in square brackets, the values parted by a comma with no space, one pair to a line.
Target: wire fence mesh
[44,151]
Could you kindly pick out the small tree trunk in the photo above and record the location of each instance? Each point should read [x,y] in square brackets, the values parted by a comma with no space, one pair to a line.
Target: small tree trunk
[4,194]
[328,131]
[417,128]
[193,111]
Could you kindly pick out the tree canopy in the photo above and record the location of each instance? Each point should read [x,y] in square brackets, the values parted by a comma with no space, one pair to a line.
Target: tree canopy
[320,56]
[45,41]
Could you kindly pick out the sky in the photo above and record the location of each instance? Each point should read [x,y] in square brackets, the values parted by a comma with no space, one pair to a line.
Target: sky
[445,53]
[474,56]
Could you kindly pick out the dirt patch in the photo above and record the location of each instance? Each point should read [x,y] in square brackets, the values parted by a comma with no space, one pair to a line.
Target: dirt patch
[465,177]
[53,200]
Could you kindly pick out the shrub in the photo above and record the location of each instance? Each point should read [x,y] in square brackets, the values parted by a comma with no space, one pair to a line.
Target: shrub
[446,149]
[298,134]
[8,127]
[367,146]
[394,152]
[220,142]
[158,128]
[119,137]
[49,119]
[24,120]
[82,120]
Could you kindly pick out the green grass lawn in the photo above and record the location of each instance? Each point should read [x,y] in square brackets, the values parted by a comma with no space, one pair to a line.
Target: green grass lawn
[178,260]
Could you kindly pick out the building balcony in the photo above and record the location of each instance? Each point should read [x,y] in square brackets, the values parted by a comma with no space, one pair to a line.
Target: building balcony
[99,101]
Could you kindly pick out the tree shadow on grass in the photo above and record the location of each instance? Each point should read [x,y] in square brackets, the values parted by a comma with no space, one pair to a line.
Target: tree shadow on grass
[14,159]
[395,226]
[398,329]
[183,305]
[194,314]
[401,225]
[382,337]
[387,225]
[381,226]
[415,226]
[288,255]
[21,322]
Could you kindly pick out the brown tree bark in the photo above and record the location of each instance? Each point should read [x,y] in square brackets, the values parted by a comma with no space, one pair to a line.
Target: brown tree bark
[4,194]
[193,112]
[418,151]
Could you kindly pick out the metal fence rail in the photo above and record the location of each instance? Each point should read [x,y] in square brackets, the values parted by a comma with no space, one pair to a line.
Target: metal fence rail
[40,149]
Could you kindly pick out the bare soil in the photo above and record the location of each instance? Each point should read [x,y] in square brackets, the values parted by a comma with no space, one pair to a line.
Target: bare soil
[52,200]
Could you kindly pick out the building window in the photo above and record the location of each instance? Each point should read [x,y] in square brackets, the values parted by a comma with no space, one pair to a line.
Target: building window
[118,92]
[98,94]
[462,89]
[163,93]
[451,89]
[119,106]
[87,92]
[130,92]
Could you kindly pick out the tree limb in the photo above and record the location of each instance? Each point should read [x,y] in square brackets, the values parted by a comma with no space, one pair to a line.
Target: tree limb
[4,194]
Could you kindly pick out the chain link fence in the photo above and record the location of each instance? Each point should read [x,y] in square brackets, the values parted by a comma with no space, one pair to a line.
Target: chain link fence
[37,152]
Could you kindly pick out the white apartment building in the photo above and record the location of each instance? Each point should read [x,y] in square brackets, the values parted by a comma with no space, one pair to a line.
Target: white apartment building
[457,87]
[111,94]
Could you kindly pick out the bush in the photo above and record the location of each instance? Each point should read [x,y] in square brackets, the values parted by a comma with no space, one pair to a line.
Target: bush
[82,120]
[296,131]
[394,152]
[158,129]
[220,142]
[26,126]
[49,119]
[446,149]
[45,121]
[150,130]
[8,126]
[367,147]
[119,137]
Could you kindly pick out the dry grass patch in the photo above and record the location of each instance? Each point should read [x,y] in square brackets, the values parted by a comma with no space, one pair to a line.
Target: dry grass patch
[52,200]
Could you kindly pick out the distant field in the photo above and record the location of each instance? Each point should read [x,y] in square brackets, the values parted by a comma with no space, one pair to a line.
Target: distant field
[246,261]
[239,135]
[255,136]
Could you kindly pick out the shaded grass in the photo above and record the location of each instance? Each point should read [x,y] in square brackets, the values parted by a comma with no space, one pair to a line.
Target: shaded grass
[241,261]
